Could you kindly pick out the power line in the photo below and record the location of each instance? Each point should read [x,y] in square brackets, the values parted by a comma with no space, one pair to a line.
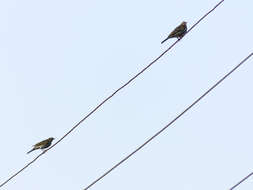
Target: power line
[170,123]
[109,97]
[241,181]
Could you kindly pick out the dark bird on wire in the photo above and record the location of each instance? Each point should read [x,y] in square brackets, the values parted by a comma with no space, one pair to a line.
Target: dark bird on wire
[42,145]
[178,32]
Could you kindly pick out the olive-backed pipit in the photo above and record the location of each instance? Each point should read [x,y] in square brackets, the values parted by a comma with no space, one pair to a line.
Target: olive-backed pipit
[178,32]
[42,145]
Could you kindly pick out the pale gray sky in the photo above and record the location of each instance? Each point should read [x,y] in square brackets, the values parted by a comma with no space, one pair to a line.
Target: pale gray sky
[59,59]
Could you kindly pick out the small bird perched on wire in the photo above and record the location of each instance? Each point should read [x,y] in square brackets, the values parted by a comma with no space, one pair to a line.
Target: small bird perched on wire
[42,145]
[178,32]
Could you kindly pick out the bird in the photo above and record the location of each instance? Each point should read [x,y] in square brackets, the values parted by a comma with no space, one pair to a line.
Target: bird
[42,145]
[178,32]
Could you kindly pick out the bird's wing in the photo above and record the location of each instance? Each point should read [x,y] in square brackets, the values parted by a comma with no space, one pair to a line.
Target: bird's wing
[41,143]
[177,31]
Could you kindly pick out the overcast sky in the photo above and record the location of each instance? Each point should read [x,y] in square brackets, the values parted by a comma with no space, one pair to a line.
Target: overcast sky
[59,59]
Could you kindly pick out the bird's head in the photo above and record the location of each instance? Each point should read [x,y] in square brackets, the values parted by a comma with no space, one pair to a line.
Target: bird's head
[183,23]
[51,139]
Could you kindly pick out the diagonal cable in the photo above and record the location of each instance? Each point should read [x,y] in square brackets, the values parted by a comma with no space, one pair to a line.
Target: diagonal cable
[169,124]
[109,97]
[244,179]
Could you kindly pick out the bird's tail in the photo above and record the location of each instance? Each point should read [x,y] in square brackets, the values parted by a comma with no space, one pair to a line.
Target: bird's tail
[164,40]
[31,151]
